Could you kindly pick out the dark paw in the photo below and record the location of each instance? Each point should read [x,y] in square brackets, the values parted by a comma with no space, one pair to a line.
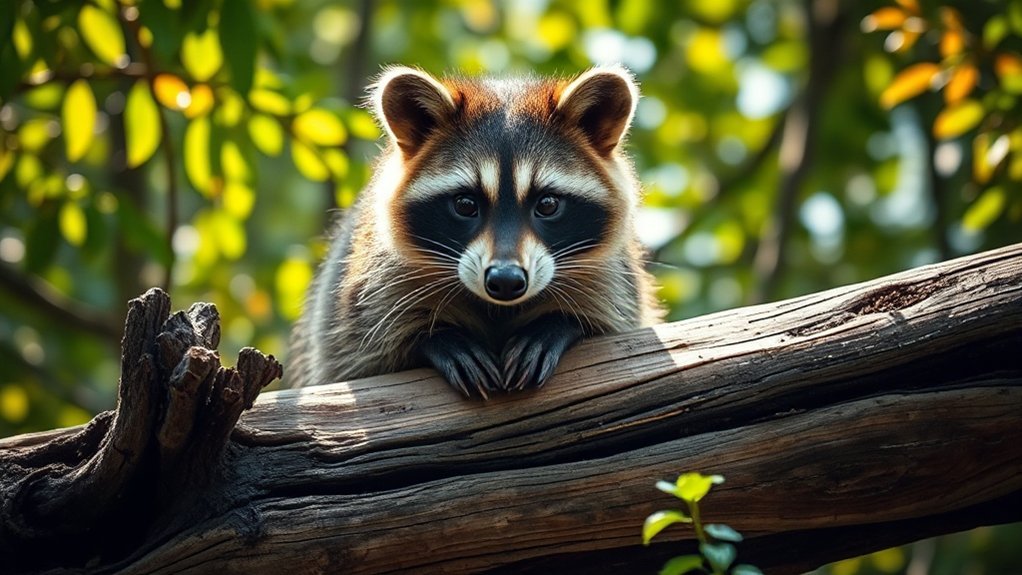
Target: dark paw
[529,359]
[464,363]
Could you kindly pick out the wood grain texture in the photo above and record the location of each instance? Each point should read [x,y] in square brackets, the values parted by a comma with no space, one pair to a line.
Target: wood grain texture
[844,421]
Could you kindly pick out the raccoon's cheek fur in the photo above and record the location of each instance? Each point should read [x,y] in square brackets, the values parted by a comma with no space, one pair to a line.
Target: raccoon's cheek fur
[506,281]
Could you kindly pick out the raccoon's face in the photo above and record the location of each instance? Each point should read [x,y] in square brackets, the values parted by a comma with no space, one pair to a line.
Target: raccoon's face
[511,185]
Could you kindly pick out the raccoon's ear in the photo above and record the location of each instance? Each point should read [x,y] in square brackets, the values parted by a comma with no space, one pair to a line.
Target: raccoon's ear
[601,102]
[410,104]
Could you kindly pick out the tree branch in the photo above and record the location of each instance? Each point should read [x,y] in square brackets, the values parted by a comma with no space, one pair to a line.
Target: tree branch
[845,421]
[44,298]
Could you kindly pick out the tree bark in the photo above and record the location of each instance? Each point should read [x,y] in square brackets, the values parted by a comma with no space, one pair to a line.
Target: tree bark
[844,422]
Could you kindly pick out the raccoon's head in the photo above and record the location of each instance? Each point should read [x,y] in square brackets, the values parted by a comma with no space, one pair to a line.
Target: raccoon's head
[510,184]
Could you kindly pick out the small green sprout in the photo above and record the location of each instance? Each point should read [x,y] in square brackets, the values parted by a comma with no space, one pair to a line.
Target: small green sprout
[717,552]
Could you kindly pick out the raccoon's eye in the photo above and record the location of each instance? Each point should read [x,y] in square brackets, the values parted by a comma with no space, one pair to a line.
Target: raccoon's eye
[547,206]
[466,206]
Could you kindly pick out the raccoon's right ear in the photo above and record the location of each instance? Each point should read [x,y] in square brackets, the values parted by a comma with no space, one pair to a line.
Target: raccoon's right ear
[411,104]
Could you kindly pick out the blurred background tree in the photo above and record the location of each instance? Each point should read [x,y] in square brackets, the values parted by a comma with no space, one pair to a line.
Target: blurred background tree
[787,146]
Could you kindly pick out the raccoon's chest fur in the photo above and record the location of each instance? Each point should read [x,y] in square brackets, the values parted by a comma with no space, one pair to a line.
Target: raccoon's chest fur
[496,232]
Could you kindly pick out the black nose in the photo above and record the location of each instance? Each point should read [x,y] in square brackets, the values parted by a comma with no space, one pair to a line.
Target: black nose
[506,282]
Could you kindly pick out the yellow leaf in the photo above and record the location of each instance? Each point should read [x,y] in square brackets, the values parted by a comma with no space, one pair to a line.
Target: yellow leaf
[230,235]
[362,125]
[337,162]
[555,30]
[950,18]
[963,80]
[35,134]
[981,169]
[13,403]
[6,162]
[21,37]
[705,51]
[909,83]
[79,118]
[952,43]
[957,119]
[231,109]
[886,18]
[308,163]
[72,223]
[103,35]
[235,167]
[141,124]
[910,5]
[984,210]
[238,200]
[269,102]
[1008,67]
[293,278]
[901,41]
[172,92]
[266,134]
[196,154]
[201,54]
[317,126]
[201,101]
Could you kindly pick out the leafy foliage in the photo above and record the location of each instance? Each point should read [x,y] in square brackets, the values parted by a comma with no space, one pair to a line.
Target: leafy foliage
[717,553]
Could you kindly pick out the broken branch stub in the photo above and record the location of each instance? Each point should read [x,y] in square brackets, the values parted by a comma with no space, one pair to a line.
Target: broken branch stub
[91,497]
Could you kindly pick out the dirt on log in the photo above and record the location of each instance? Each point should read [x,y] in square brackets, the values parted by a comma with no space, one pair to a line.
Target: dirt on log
[844,421]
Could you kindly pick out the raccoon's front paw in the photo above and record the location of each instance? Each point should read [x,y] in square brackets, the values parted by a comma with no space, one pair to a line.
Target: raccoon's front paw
[464,363]
[530,358]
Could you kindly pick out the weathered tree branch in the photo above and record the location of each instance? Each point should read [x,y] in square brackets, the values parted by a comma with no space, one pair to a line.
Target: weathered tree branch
[844,421]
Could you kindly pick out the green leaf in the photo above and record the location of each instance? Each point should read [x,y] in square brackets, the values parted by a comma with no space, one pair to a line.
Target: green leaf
[239,39]
[746,569]
[994,31]
[196,150]
[201,55]
[141,124]
[722,532]
[682,564]
[141,235]
[719,555]
[41,241]
[320,127]
[79,118]
[165,24]
[656,523]
[103,35]
[692,487]
[985,210]
[266,134]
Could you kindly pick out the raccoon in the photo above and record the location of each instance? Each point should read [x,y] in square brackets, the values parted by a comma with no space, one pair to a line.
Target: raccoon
[496,232]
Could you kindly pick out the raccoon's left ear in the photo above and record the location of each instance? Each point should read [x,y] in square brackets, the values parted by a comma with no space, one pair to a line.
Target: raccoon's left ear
[410,104]
[601,102]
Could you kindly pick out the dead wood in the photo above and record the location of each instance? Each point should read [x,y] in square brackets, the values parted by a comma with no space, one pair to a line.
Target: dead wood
[844,421]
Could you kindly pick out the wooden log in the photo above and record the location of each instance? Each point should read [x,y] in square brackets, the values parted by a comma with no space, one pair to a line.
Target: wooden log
[844,421]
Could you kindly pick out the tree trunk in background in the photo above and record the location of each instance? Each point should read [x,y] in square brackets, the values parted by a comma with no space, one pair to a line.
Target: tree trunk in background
[844,422]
